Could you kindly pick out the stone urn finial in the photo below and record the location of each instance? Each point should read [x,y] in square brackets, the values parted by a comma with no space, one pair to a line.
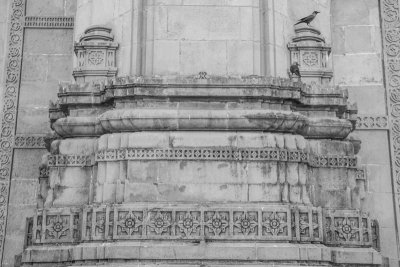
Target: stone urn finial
[95,53]
[309,49]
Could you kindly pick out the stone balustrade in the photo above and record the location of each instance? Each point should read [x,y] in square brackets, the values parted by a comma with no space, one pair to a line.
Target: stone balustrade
[223,222]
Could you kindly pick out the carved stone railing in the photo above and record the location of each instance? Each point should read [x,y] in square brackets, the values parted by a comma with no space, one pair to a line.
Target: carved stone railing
[258,222]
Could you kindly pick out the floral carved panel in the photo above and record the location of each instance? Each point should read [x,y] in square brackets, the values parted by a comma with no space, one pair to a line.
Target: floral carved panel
[390,11]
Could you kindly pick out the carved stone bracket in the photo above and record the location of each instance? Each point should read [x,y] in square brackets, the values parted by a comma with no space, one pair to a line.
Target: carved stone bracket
[10,103]
[347,227]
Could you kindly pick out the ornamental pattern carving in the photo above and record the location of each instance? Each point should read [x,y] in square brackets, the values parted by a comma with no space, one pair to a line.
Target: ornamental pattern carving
[10,100]
[347,227]
[140,222]
[310,59]
[24,141]
[96,57]
[57,227]
[129,223]
[250,154]
[372,122]
[391,32]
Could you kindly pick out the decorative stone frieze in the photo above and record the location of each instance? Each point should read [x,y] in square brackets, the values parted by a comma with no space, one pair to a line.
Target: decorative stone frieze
[69,160]
[95,53]
[262,222]
[309,49]
[56,226]
[49,22]
[372,122]
[390,15]
[245,154]
[9,108]
[318,161]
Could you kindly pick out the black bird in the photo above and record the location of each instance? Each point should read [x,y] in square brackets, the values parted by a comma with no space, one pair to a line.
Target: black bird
[294,69]
[308,19]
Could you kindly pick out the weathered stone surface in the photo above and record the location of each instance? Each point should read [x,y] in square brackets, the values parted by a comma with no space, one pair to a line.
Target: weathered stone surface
[227,37]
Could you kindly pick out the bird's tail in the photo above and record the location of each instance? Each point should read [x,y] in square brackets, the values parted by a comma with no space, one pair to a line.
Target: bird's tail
[298,23]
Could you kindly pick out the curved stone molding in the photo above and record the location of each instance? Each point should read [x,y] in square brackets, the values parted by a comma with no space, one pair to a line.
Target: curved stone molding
[69,160]
[133,120]
[245,154]
[224,154]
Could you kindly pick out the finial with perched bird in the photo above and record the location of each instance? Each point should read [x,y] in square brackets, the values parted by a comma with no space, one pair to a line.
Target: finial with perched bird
[294,69]
[308,19]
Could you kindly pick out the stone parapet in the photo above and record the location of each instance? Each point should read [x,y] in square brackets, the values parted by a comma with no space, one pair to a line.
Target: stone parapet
[207,221]
[178,227]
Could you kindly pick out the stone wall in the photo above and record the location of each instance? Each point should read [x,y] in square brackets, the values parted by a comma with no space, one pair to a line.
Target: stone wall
[47,59]
[357,62]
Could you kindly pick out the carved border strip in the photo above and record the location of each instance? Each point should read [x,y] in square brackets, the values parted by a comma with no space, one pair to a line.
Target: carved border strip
[49,22]
[390,14]
[246,154]
[210,154]
[29,141]
[372,122]
[10,103]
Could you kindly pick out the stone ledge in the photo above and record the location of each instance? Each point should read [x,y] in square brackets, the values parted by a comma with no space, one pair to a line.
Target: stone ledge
[193,252]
